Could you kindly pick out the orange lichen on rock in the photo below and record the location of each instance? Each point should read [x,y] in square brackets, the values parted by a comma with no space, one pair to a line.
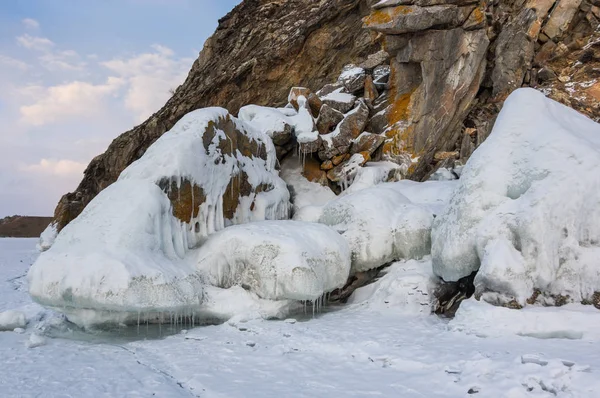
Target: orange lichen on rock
[386,15]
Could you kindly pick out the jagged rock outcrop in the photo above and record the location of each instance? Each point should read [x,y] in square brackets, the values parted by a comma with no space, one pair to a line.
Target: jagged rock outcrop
[259,50]
[428,77]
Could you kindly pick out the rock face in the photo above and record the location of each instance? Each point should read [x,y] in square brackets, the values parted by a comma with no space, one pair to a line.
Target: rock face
[428,77]
[259,50]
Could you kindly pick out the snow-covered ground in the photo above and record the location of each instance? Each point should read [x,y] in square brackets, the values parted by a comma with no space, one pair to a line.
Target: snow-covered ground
[364,349]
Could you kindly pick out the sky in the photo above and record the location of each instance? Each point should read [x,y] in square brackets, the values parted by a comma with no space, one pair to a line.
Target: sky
[75,74]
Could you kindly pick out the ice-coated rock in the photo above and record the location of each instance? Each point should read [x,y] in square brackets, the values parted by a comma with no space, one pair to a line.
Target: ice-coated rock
[277,260]
[124,253]
[381,225]
[526,212]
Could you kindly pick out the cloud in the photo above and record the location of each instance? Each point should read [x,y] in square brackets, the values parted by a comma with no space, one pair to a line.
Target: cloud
[35,42]
[31,23]
[150,77]
[76,99]
[62,168]
[67,60]
[13,62]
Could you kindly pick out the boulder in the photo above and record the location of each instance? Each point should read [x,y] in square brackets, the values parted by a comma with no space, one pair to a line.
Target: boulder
[353,78]
[338,142]
[328,119]
[367,142]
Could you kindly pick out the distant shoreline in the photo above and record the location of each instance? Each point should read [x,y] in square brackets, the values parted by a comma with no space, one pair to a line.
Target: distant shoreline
[23,226]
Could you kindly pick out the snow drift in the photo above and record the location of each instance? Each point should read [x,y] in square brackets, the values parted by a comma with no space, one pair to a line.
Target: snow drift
[526,213]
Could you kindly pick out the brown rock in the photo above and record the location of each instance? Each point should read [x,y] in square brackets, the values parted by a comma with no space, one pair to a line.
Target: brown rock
[367,142]
[345,172]
[312,171]
[314,102]
[407,18]
[328,119]
[371,93]
[561,17]
[327,165]
[352,126]
[441,156]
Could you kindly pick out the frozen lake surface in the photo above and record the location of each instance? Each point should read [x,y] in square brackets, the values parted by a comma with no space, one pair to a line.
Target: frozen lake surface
[356,351]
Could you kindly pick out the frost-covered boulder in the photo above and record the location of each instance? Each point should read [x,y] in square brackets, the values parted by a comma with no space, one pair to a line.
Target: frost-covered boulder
[123,254]
[380,225]
[269,121]
[526,213]
[277,260]
[217,171]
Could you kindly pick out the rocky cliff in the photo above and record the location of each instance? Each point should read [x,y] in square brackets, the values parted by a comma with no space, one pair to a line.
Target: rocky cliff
[444,69]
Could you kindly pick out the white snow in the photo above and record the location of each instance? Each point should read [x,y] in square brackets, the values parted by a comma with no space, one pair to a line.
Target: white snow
[11,320]
[572,321]
[381,225]
[47,237]
[308,197]
[339,95]
[371,174]
[267,120]
[277,260]
[526,212]
[304,123]
[434,195]
[35,340]
[365,349]
[406,286]
[350,72]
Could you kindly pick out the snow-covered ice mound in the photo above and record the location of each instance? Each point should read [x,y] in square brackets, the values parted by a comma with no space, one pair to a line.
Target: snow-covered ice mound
[380,225]
[277,260]
[406,286]
[123,254]
[526,213]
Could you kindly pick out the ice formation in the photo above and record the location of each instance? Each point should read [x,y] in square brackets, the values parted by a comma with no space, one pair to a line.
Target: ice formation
[47,237]
[277,260]
[381,225]
[11,320]
[215,151]
[124,257]
[124,253]
[267,120]
[526,212]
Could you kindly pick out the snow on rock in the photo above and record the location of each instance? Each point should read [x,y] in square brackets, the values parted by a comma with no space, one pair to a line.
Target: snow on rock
[47,237]
[217,170]
[406,286]
[373,173]
[381,225]
[277,260]
[572,321]
[526,212]
[11,320]
[434,195]
[269,121]
[122,254]
[308,197]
